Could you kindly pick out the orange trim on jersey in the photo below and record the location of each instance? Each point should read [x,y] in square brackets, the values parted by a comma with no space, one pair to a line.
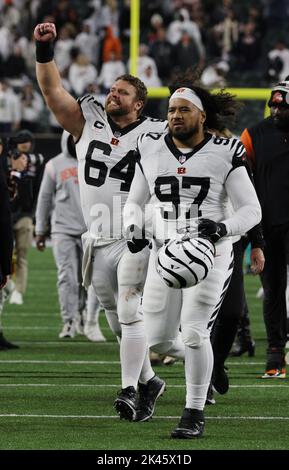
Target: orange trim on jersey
[248,144]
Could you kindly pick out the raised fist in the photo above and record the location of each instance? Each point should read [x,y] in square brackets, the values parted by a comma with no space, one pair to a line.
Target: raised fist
[45,32]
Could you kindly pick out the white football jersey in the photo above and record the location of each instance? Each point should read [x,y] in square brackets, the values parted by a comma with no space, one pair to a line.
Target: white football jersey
[183,186]
[106,167]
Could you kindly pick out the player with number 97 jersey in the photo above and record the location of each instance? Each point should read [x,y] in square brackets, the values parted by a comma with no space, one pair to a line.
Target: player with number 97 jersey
[106,169]
[182,186]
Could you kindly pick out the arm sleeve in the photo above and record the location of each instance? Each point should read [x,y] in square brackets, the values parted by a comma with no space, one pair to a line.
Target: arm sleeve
[138,196]
[247,210]
[45,199]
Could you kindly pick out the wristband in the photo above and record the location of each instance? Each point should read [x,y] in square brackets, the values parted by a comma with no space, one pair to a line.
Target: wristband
[44,51]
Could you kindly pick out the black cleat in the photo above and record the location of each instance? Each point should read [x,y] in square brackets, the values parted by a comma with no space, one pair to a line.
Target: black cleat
[4,344]
[220,379]
[191,425]
[148,395]
[210,400]
[126,403]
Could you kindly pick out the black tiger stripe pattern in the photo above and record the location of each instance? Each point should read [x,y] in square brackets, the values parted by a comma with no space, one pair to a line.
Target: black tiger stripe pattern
[224,290]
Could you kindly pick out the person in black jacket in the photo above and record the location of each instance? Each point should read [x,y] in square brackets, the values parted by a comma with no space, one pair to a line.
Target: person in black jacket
[267,146]
[23,206]
[6,243]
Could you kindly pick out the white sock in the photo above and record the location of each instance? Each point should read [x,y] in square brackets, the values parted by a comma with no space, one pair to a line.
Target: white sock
[198,368]
[147,372]
[133,348]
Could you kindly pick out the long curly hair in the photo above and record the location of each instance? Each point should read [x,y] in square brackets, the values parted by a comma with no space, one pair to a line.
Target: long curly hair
[221,108]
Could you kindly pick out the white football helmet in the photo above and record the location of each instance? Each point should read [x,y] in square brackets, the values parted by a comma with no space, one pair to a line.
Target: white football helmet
[183,263]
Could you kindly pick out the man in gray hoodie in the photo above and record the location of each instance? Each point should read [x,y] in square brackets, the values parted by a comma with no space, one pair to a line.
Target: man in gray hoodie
[59,200]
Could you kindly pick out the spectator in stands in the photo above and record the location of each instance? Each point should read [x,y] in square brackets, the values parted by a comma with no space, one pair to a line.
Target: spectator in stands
[110,12]
[5,40]
[63,47]
[161,51]
[31,107]
[214,75]
[248,49]
[150,77]
[111,44]
[10,114]
[144,61]
[88,43]
[278,59]
[187,54]
[15,68]
[110,70]
[23,208]
[64,13]
[183,24]
[11,15]
[81,73]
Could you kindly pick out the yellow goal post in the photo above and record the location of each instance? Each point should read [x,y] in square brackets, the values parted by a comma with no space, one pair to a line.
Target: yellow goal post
[261,94]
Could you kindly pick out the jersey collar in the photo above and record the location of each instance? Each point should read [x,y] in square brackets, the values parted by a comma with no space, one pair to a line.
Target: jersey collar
[178,153]
[124,130]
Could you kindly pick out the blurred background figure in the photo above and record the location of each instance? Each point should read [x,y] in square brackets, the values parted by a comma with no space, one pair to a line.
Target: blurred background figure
[214,75]
[81,73]
[8,191]
[59,204]
[23,205]
[110,71]
[32,106]
[10,114]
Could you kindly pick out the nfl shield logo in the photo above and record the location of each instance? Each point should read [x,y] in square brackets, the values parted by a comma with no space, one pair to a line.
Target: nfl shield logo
[182,159]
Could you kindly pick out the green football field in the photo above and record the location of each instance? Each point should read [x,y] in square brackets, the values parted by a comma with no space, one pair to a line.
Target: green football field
[58,394]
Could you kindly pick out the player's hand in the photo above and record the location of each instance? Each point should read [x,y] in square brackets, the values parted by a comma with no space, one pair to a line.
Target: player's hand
[137,242]
[213,230]
[45,32]
[40,242]
[257,260]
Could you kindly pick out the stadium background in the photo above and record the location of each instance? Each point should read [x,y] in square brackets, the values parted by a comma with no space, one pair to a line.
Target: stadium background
[59,395]
[222,40]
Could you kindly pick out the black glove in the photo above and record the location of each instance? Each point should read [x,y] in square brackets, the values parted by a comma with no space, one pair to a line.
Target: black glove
[213,230]
[137,242]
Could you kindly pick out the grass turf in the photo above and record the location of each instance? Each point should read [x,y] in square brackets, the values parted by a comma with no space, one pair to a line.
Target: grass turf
[58,394]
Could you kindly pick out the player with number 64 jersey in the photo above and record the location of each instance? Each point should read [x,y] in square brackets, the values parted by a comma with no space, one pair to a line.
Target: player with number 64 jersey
[104,139]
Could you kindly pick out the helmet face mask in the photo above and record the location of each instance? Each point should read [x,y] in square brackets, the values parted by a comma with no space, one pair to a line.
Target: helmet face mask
[185,263]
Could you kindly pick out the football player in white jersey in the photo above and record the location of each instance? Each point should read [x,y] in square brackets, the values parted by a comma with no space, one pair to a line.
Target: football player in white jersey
[189,176]
[105,139]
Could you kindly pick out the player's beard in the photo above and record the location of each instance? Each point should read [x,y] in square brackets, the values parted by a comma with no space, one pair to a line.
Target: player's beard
[184,135]
[120,111]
